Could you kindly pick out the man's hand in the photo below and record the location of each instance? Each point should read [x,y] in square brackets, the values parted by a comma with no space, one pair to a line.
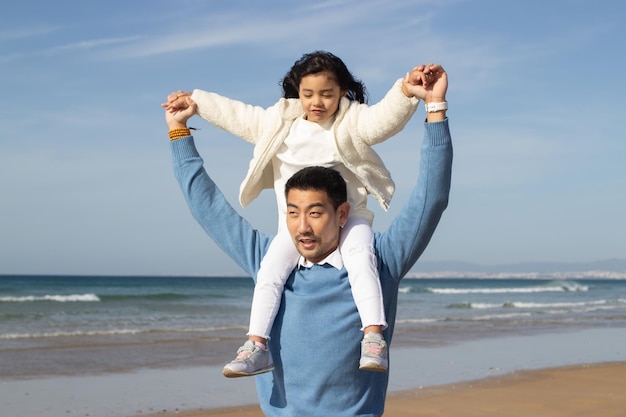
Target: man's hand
[427,82]
[177,119]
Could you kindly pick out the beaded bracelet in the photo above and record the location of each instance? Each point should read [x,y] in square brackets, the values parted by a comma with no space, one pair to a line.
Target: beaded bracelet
[179,133]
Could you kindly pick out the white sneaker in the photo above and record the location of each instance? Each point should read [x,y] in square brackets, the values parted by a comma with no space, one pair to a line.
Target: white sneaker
[250,360]
[373,353]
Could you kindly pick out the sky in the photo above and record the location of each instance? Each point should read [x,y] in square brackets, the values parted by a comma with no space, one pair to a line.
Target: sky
[536,110]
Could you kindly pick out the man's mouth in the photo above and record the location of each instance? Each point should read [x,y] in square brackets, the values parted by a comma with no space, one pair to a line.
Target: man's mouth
[306,242]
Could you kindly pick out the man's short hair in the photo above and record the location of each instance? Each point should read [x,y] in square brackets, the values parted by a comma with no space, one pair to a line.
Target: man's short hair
[320,179]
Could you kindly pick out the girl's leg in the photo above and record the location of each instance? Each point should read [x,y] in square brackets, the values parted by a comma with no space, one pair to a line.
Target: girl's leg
[276,266]
[253,357]
[357,250]
[359,259]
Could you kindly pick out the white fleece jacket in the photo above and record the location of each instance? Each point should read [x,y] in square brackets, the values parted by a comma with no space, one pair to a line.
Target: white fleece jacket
[356,128]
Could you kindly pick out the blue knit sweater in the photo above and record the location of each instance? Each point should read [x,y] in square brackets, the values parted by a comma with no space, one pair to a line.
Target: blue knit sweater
[316,334]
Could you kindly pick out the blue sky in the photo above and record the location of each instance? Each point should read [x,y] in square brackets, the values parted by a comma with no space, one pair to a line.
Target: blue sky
[536,110]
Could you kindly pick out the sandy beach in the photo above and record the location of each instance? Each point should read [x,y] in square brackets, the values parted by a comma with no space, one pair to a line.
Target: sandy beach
[597,390]
[580,373]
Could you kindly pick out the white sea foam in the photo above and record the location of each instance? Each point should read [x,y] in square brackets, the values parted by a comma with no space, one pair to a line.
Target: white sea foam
[512,290]
[427,320]
[57,298]
[558,305]
[582,305]
[112,332]
[483,306]
[497,316]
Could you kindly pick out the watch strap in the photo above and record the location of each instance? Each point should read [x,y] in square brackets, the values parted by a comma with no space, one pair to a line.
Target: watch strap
[433,107]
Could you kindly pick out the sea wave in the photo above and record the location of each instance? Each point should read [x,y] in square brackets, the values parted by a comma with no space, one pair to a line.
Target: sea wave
[112,332]
[56,298]
[552,287]
[527,305]
[166,296]
[488,317]
[425,320]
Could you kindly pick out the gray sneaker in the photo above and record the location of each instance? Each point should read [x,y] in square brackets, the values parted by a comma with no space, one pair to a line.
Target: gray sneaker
[373,353]
[250,360]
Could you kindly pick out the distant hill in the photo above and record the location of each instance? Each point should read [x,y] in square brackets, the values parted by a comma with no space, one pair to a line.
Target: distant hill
[608,265]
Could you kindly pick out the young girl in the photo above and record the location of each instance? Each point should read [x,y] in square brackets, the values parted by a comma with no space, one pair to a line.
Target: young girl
[321,120]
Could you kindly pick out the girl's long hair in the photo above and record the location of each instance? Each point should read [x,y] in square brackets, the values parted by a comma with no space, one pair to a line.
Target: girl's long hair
[320,61]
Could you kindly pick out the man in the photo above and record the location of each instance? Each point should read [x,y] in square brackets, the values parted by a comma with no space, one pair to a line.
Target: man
[312,338]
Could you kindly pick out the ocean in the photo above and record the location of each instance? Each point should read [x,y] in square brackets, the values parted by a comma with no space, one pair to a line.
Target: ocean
[88,325]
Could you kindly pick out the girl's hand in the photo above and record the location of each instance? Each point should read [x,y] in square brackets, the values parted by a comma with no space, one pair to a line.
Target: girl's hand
[413,78]
[177,101]
[427,82]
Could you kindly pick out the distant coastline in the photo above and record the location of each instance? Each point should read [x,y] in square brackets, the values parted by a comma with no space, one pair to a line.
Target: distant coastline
[519,275]
[604,269]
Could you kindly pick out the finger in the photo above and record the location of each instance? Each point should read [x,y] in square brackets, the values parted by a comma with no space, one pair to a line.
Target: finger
[173,96]
[423,79]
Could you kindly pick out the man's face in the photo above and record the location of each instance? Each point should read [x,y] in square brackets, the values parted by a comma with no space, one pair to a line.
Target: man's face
[313,223]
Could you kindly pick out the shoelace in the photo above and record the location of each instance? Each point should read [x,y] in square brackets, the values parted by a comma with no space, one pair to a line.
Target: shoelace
[243,353]
[374,348]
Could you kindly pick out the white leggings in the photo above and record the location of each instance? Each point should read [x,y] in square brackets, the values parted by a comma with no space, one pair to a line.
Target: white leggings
[356,245]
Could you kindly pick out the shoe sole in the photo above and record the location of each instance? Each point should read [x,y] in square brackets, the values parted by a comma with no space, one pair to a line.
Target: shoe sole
[373,367]
[236,374]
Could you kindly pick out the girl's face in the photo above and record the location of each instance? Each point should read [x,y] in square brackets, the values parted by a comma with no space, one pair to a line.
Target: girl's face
[320,95]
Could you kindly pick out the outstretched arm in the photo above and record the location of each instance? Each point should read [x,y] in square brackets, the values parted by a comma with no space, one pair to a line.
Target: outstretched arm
[386,118]
[238,118]
[232,233]
[410,232]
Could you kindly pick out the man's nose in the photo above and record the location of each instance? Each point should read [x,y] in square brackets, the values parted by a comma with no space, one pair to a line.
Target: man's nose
[304,225]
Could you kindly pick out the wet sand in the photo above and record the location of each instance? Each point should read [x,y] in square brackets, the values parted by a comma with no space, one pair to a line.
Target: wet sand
[597,390]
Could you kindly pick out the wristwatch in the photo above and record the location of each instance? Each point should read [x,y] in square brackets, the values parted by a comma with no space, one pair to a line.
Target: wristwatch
[433,107]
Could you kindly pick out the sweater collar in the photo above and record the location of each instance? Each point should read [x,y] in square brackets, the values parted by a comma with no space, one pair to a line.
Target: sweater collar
[334,259]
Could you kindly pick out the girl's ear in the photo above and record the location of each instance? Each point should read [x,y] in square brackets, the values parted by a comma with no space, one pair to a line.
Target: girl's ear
[344,93]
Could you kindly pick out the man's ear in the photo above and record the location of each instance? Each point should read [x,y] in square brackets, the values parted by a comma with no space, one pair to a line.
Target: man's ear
[343,211]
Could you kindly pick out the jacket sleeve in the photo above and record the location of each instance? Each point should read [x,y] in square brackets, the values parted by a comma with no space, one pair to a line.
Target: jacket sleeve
[378,122]
[402,244]
[231,232]
[240,119]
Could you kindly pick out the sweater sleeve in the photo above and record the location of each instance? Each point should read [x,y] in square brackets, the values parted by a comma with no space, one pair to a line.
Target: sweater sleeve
[231,232]
[378,122]
[406,238]
[235,117]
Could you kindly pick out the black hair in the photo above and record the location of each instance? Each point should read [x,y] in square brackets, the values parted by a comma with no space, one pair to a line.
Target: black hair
[318,178]
[320,61]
